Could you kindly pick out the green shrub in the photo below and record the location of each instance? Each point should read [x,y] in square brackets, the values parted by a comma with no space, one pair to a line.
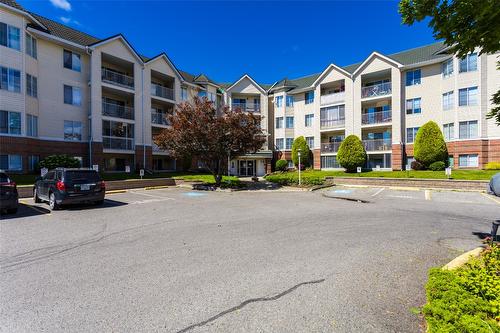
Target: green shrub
[292,178]
[467,299]
[493,166]
[300,144]
[437,166]
[351,153]
[281,165]
[429,145]
[416,165]
[59,161]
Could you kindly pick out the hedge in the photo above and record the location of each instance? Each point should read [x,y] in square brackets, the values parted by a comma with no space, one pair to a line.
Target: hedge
[429,146]
[300,144]
[351,153]
[281,165]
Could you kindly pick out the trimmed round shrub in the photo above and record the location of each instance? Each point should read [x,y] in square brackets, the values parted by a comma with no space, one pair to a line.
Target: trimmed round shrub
[416,165]
[429,145]
[437,166]
[300,144]
[281,165]
[59,161]
[493,166]
[351,153]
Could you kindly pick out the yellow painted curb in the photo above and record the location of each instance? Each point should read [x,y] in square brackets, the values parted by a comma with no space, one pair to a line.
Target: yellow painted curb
[489,196]
[157,187]
[116,191]
[462,259]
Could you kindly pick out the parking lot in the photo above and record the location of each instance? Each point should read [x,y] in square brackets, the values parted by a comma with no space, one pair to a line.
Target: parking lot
[174,260]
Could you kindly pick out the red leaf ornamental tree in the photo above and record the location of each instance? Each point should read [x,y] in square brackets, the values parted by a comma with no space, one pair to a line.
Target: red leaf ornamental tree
[198,129]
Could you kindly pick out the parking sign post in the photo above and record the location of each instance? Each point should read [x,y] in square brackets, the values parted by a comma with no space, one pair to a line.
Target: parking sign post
[141,173]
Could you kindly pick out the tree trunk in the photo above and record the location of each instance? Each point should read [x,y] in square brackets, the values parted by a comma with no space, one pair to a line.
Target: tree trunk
[218,174]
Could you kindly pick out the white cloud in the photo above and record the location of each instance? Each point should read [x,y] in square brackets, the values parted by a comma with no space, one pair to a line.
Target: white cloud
[65,20]
[62,4]
[69,20]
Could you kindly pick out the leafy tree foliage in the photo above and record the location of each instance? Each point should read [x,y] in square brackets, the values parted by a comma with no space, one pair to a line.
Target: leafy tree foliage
[281,165]
[351,153]
[429,146]
[198,129]
[463,24]
[59,161]
[300,144]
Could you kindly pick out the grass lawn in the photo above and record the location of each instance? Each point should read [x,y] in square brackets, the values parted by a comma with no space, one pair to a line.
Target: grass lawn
[316,177]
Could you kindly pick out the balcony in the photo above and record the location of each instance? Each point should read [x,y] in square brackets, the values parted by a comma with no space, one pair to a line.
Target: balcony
[246,107]
[159,118]
[377,144]
[330,147]
[117,111]
[376,90]
[332,98]
[331,123]
[117,143]
[378,117]
[119,79]
[161,91]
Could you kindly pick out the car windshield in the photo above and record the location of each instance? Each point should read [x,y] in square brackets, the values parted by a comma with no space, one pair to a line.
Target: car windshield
[82,175]
[4,178]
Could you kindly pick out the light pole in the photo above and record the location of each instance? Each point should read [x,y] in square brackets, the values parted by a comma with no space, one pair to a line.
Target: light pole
[299,168]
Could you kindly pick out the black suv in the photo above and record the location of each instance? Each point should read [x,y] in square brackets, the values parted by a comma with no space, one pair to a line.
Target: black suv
[8,194]
[69,186]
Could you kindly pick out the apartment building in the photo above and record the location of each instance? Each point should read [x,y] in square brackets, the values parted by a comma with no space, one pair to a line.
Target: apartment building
[64,91]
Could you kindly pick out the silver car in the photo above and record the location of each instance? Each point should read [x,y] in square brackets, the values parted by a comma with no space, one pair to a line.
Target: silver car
[495,185]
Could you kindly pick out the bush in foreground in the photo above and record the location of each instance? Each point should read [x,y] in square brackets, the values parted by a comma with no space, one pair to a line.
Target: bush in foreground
[59,161]
[292,178]
[437,166]
[281,165]
[351,153]
[493,166]
[467,299]
[429,145]
[416,165]
[300,144]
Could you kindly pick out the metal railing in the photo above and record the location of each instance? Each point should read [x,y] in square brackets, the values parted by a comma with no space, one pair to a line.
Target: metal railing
[118,111]
[332,98]
[378,117]
[377,144]
[330,147]
[113,77]
[159,118]
[246,107]
[380,89]
[161,91]
[331,123]
[117,143]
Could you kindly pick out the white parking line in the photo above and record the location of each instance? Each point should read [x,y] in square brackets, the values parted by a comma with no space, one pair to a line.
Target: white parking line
[427,195]
[378,192]
[401,196]
[150,195]
[140,202]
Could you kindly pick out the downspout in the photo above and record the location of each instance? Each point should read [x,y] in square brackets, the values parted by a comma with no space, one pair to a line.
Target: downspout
[143,127]
[90,108]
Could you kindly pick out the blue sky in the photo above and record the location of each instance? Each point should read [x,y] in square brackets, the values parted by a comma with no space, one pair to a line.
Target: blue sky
[268,40]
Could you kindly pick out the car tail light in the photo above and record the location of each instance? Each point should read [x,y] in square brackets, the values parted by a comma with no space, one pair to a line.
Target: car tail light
[10,184]
[60,186]
[103,185]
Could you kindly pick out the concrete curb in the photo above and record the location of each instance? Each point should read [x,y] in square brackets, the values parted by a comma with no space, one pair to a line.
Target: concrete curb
[463,259]
[116,191]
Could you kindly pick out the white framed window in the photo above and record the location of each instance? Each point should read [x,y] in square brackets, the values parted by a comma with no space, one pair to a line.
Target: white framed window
[33,162]
[448,100]
[309,118]
[468,129]
[413,106]
[289,122]
[72,61]
[468,63]
[467,96]
[280,143]
[72,130]
[278,100]
[10,122]
[468,161]
[31,47]
[10,79]
[31,125]
[289,101]
[329,162]
[448,68]
[279,122]
[290,164]
[11,162]
[413,77]
[309,97]
[31,85]
[288,143]
[72,95]
[184,94]
[449,131]
[411,134]
[10,36]
[310,141]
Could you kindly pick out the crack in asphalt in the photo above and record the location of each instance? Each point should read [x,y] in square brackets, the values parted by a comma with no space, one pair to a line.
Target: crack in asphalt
[248,301]
[50,251]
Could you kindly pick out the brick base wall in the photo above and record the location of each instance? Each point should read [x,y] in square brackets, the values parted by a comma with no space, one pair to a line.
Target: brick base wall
[317,159]
[139,158]
[397,157]
[494,151]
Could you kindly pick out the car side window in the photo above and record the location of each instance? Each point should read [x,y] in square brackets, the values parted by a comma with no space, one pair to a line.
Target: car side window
[49,175]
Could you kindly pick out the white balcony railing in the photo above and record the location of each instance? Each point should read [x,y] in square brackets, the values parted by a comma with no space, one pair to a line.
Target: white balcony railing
[377,144]
[159,118]
[117,111]
[109,142]
[332,98]
[330,147]
[378,117]
[161,91]
[331,123]
[246,107]
[116,78]
[376,90]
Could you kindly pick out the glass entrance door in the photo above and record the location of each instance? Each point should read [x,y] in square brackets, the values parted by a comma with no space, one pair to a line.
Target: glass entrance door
[246,168]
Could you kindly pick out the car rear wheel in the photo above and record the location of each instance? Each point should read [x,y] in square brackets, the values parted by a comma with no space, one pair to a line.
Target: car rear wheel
[35,196]
[52,202]
[12,210]
[99,203]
